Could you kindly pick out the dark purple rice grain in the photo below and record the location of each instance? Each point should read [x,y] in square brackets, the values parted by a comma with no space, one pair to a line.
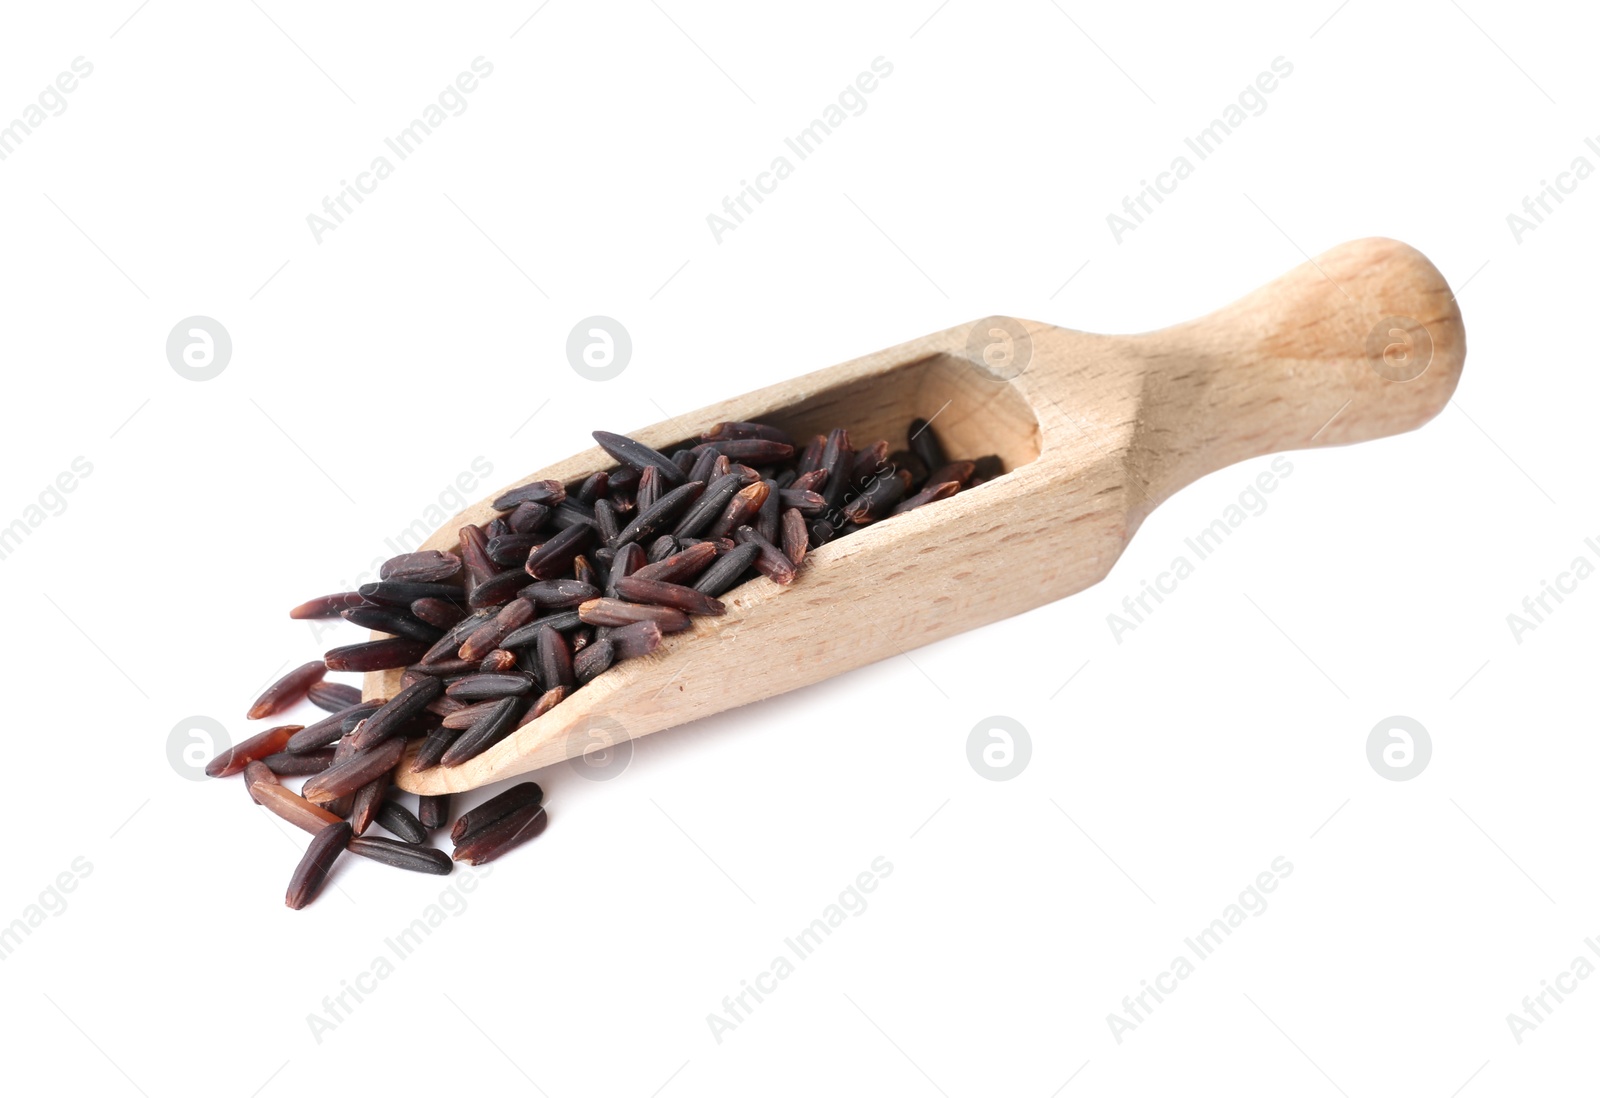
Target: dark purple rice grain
[680,567]
[502,587]
[333,696]
[795,536]
[304,765]
[572,513]
[627,560]
[606,520]
[523,795]
[511,550]
[324,732]
[263,744]
[397,820]
[342,805]
[390,619]
[475,556]
[638,639]
[257,771]
[770,561]
[353,772]
[484,687]
[502,836]
[911,463]
[925,444]
[878,500]
[743,507]
[584,572]
[547,492]
[636,454]
[705,464]
[547,701]
[433,748]
[929,494]
[564,622]
[662,548]
[388,720]
[291,806]
[810,482]
[555,556]
[378,655]
[427,566]
[437,612]
[959,471]
[657,593]
[287,690]
[752,451]
[558,594]
[650,489]
[453,667]
[554,659]
[312,872]
[591,660]
[327,606]
[684,460]
[623,481]
[490,729]
[710,505]
[497,662]
[726,570]
[418,859]
[527,518]
[734,430]
[448,645]
[811,456]
[618,612]
[659,515]
[596,487]
[443,707]
[766,522]
[870,462]
[837,459]
[487,637]
[433,810]
[403,594]
[807,503]
[468,716]
[369,799]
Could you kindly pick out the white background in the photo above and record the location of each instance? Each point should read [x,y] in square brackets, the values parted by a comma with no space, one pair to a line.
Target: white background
[371,368]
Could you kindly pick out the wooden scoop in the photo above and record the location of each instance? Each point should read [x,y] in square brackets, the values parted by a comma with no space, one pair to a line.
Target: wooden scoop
[1094,431]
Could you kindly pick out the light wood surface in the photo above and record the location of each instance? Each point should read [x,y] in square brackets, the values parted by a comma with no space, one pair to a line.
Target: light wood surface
[1094,432]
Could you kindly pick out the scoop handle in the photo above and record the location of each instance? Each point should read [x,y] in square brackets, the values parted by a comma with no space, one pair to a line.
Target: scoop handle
[1361,342]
